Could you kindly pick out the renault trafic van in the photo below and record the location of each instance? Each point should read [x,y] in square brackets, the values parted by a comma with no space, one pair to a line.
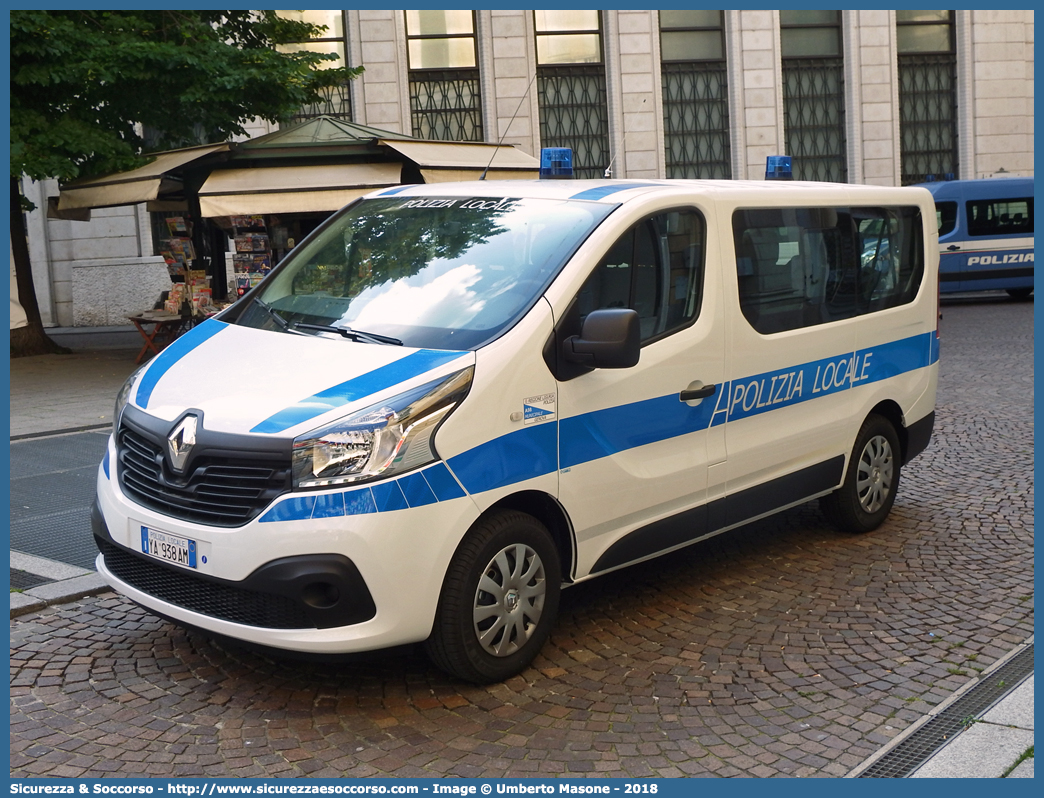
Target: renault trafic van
[454,400]
[985,234]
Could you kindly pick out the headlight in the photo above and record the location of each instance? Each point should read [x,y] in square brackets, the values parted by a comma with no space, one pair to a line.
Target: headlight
[379,440]
[124,396]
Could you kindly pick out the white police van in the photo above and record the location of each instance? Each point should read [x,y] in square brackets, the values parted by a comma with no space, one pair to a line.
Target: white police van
[453,400]
[985,234]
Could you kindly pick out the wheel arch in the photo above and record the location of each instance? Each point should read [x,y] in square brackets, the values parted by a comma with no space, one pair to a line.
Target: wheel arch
[547,510]
[891,411]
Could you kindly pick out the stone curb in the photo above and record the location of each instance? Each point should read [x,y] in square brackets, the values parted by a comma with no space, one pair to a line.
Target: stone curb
[68,583]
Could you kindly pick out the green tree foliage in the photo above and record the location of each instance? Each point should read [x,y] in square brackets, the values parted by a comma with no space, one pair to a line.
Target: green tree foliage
[83,81]
[86,84]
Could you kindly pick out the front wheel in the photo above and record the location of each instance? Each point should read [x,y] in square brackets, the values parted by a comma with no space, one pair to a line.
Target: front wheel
[866,496]
[1019,293]
[499,599]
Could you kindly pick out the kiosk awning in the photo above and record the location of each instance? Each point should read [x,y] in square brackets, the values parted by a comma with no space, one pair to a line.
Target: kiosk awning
[440,162]
[138,185]
[292,189]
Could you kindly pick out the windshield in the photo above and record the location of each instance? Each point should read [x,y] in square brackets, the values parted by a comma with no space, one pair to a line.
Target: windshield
[433,272]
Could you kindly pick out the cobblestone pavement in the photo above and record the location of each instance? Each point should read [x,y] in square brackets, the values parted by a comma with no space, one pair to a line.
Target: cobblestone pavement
[783,648]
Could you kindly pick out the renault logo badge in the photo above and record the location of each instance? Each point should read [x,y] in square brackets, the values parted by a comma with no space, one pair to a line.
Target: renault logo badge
[181,441]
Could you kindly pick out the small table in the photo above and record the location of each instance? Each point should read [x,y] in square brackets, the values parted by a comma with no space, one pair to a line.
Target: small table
[165,328]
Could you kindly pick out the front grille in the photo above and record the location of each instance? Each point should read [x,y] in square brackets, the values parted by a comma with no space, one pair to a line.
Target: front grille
[200,595]
[227,489]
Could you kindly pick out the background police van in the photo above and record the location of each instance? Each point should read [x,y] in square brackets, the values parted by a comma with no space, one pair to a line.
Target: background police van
[985,234]
[453,400]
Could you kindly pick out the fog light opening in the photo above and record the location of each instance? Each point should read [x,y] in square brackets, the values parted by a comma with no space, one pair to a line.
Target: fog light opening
[320,595]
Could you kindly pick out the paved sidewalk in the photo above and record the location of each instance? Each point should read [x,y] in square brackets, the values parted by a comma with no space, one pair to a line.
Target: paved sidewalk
[992,741]
[50,394]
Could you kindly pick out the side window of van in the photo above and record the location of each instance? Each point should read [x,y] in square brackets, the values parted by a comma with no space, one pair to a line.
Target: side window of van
[656,269]
[1000,217]
[799,267]
[946,216]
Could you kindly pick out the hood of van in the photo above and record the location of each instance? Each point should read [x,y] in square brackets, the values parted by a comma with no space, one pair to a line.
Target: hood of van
[246,380]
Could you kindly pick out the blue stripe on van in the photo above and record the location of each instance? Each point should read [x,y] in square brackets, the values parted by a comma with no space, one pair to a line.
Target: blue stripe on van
[771,390]
[534,451]
[515,457]
[411,490]
[443,484]
[356,388]
[166,359]
[616,429]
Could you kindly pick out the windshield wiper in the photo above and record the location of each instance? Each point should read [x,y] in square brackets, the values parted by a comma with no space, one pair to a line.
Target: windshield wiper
[268,309]
[348,332]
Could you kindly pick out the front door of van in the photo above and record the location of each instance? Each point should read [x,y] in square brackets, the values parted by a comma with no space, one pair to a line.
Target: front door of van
[633,455]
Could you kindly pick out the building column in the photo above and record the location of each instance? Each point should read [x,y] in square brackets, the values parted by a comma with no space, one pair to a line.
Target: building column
[385,89]
[872,67]
[966,165]
[850,47]
[513,102]
[641,95]
[761,91]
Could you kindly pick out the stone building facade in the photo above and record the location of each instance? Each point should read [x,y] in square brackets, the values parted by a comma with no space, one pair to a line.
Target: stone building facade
[849,94]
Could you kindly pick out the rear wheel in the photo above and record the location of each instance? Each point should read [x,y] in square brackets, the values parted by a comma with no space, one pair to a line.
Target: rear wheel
[866,496]
[1020,293]
[499,599]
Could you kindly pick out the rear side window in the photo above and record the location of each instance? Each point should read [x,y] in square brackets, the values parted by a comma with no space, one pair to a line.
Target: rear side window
[1003,217]
[946,216]
[656,269]
[799,267]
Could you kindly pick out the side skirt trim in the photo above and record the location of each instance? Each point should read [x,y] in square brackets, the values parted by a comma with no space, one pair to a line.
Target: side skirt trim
[720,515]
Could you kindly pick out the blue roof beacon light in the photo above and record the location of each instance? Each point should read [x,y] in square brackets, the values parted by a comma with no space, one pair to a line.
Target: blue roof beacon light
[777,167]
[556,163]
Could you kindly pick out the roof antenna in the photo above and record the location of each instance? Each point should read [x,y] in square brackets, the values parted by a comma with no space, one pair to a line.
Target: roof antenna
[526,94]
[608,174]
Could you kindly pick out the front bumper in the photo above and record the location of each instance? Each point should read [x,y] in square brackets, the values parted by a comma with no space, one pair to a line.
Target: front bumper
[311,591]
[311,581]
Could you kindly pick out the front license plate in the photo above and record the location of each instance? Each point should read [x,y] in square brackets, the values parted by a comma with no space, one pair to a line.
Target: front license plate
[170,548]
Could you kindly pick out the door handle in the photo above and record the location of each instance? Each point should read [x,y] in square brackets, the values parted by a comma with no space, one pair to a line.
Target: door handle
[699,393]
[952,248]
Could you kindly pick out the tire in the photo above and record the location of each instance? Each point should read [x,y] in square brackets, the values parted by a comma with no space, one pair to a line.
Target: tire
[1019,293]
[499,599]
[866,496]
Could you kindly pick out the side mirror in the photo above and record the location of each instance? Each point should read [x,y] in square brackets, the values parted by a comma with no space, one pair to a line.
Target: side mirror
[610,339]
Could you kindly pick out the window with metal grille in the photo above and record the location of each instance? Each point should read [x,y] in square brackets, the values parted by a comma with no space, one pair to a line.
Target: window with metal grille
[445,99]
[337,100]
[814,94]
[927,94]
[571,88]
[695,94]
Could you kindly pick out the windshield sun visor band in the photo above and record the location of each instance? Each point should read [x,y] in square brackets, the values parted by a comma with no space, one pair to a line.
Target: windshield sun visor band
[605,191]
[372,382]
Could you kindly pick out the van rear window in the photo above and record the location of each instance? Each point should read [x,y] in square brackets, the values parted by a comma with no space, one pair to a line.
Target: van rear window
[799,267]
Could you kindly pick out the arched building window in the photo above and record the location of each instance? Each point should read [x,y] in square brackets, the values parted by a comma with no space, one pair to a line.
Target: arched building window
[927,94]
[695,94]
[445,99]
[814,94]
[571,88]
[338,101]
